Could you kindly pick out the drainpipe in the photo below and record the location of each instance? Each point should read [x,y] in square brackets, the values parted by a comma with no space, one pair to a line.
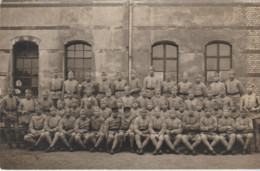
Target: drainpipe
[130,23]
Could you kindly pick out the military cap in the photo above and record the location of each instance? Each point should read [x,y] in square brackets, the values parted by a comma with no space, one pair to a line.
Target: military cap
[115,109]
[198,76]
[71,73]
[45,92]
[250,85]
[127,109]
[231,72]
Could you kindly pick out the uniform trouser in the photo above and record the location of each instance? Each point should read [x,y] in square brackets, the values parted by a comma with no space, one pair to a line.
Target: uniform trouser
[236,99]
[8,123]
[256,125]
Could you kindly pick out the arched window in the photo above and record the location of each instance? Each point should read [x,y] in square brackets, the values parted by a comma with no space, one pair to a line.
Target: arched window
[165,59]
[78,59]
[218,59]
[26,59]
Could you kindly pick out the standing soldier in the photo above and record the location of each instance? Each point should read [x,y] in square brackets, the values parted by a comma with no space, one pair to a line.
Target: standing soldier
[10,116]
[127,98]
[45,103]
[111,128]
[150,83]
[141,125]
[70,85]
[167,85]
[88,84]
[217,85]
[55,86]
[200,90]
[135,85]
[184,86]
[251,103]
[119,85]
[102,87]
[234,88]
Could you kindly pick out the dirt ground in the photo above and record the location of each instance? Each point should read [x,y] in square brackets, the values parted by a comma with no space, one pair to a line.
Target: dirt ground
[24,159]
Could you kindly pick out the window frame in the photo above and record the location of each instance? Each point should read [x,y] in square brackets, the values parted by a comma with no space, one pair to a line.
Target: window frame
[164,58]
[218,57]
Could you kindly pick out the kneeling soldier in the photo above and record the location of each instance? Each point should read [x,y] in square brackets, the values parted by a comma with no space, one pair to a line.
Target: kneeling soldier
[173,131]
[244,127]
[208,128]
[126,130]
[227,128]
[157,130]
[82,129]
[112,125]
[141,125]
[36,129]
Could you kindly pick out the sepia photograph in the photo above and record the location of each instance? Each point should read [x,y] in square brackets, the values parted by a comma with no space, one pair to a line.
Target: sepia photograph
[129,84]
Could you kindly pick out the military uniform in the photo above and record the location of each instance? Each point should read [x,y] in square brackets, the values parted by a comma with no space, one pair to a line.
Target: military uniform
[141,101]
[82,130]
[234,90]
[111,101]
[216,87]
[184,88]
[181,114]
[158,100]
[105,113]
[102,87]
[191,104]
[173,102]
[135,112]
[118,87]
[136,86]
[89,85]
[166,87]
[150,83]
[70,86]
[224,101]
[45,105]
[97,131]
[86,100]
[55,86]
[199,90]
[127,101]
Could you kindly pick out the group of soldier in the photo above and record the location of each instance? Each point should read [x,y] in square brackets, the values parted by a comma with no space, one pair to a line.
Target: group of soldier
[89,114]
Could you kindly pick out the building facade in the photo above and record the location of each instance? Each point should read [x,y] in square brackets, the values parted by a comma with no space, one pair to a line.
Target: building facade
[174,36]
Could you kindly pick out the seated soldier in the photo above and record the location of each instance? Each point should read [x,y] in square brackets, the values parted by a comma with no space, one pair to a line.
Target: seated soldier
[75,109]
[111,100]
[120,106]
[244,127]
[234,110]
[174,99]
[51,126]
[105,112]
[227,129]
[88,97]
[208,101]
[111,128]
[82,129]
[199,109]
[208,128]
[164,109]
[66,131]
[126,130]
[142,99]
[69,100]
[217,110]
[60,108]
[182,111]
[141,125]
[127,98]
[158,98]
[223,99]
[36,128]
[191,131]
[135,111]
[150,108]
[157,130]
[97,130]
[173,132]
[191,101]
[89,108]
[45,102]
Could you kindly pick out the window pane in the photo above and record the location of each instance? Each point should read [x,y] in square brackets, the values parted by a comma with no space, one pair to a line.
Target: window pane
[171,51]
[70,63]
[211,64]
[26,81]
[158,51]
[87,63]
[224,64]
[34,82]
[79,63]
[79,46]
[27,71]
[70,54]
[27,63]
[35,63]
[35,72]
[173,76]
[171,65]
[71,47]
[224,50]
[212,50]
[87,54]
[78,54]
[19,63]
[86,47]
[158,65]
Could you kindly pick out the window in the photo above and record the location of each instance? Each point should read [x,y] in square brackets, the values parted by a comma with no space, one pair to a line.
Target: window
[218,59]
[78,59]
[165,60]
[26,59]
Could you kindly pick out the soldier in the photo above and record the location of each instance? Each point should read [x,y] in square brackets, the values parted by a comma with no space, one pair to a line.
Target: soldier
[119,85]
[111,128]
[167,85]
[250,103]
[157,129]
[55,87]
[70,85]
[223,99]
[88,97]
[234,110]
[234,88]
[135,111]
[89,108]
[89,84]
[157,99]
[165,109]
[26,109]
[184,87]
[217,85]
[227,129]
[120,106]
[208,128]
[69,100]
[150,108]
[104,111]
[199,109]
[10,116]
[111,100]
[51,126]
[82,130]
[36,128]
[173,132]
[244,127]
[127,98]
[216,109]
[150,83]
[102,87]
[45,103]
[174,99]
[126,129]
[191,101]
[209,100]
[135,85]
[199,88]
[97,130]
[142,99]
[182,111]
[60,108]
[141,125]
[191,131]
